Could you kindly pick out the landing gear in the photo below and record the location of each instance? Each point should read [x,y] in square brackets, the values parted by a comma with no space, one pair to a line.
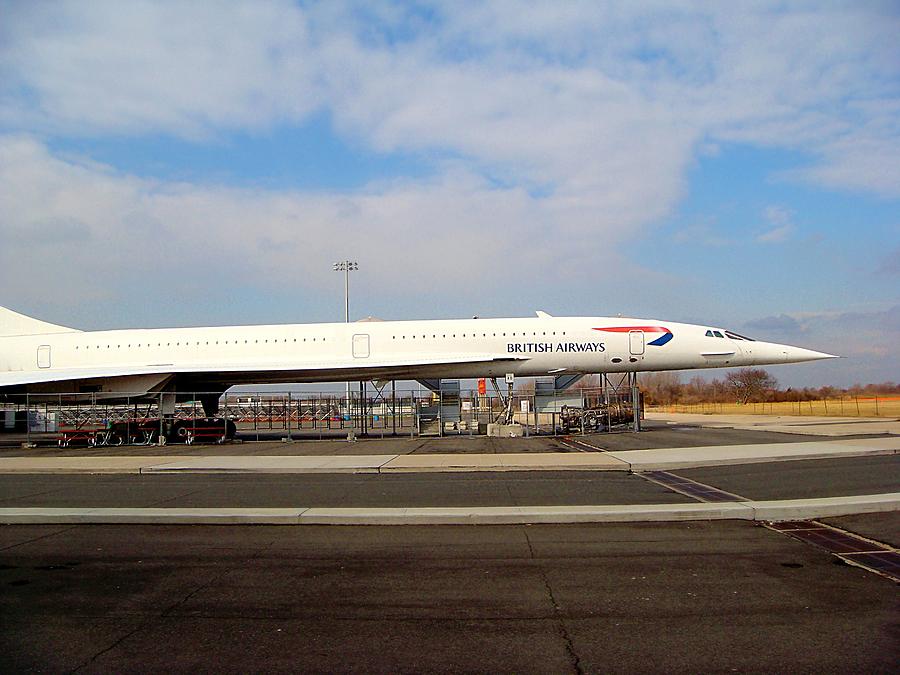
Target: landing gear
[210,403]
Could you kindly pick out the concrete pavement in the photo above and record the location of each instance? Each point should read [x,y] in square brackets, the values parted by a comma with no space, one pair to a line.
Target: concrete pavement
[681,458]
[796,509]
[630,460]
[791,424]
[693,597]
[655,434]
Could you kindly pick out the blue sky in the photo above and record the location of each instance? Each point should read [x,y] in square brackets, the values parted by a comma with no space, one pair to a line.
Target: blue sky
[171,164]
[309,156]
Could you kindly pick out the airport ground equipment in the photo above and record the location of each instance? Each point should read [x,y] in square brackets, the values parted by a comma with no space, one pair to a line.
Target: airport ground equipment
[128,432]
[73,436]
[599,417]
[205,429]
[147,432]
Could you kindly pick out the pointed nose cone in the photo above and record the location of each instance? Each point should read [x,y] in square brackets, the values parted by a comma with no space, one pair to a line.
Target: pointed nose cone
[762,353]
[798,354]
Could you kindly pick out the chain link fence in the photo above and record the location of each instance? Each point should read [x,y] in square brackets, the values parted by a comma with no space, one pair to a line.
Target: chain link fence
[70,420]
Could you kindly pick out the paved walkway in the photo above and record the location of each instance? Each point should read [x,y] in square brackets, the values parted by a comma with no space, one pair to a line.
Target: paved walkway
[781,510]
[631,460]
[802,424]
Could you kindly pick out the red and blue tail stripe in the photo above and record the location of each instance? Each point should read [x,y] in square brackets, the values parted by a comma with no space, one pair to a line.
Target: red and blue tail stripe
[658,342]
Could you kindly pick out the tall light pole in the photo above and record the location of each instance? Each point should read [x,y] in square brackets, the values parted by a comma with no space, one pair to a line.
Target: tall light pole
[346,266]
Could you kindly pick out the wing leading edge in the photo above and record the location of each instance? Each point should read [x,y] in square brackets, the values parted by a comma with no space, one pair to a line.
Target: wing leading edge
[318,369]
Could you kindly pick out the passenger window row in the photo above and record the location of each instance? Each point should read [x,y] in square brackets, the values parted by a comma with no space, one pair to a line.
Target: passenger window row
[434,336]
[198,343]
[475,335]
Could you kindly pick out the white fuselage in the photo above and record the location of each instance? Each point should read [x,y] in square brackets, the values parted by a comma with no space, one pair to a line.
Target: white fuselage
[223,356]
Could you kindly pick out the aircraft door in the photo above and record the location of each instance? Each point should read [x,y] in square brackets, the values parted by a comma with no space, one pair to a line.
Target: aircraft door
[360,346]
[636,342]
[43,356]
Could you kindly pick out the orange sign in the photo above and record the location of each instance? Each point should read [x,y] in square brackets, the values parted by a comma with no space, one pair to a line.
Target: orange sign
[482,386]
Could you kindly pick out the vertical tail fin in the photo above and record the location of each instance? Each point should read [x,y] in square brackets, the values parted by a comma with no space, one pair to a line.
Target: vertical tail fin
[12,323]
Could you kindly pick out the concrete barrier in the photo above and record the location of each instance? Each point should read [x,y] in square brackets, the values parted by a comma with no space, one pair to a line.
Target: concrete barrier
[667,459]
[804,509]
[796,509]
[151,516]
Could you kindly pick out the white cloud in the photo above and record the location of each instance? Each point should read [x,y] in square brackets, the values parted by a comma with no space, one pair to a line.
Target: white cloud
[782,220]
[588,100]
[776,235]
[189,69]
[110,233]
[863,337]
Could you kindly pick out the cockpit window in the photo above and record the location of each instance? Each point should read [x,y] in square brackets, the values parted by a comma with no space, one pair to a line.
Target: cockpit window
[735,336]
[717,334]
[709,333]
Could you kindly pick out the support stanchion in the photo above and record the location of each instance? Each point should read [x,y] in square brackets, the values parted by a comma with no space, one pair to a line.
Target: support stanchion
[287,413]
[394,406]
[160,439]
[635,402]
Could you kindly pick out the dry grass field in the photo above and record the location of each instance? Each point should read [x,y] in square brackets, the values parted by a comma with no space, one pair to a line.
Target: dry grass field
[847,406]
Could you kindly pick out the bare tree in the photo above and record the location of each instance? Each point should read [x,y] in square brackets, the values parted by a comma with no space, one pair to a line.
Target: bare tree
[751,384]
[586,382]
[525,386]
[662,388]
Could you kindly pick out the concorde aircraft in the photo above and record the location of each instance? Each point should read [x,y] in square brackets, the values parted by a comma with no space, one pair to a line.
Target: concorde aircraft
[41,358]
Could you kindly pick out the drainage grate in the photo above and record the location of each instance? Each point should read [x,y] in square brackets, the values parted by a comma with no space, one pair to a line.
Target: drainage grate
[691,488]
[788,525]
[883,562]
[580,445]
[852,548]
[856,550]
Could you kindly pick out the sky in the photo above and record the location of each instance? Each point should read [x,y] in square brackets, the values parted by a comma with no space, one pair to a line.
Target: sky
[204,163]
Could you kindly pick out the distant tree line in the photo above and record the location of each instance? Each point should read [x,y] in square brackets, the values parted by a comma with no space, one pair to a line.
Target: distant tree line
[747,385]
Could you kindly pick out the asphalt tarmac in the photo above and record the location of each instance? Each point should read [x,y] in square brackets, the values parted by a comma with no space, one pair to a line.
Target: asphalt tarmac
[883,527]
[332,490]
[655,435]
[771,480]
[649,597]
[686,597]
[804,479]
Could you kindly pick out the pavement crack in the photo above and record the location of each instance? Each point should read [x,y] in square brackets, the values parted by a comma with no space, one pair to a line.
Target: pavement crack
[176,497]
[418,447]
[167,612]
[574,658]
[209,582]
[43,536]
[31,495]
[115,644]
[512,498]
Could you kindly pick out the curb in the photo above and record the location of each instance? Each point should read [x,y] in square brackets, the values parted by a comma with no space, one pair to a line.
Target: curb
[630,460]
[795,509]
